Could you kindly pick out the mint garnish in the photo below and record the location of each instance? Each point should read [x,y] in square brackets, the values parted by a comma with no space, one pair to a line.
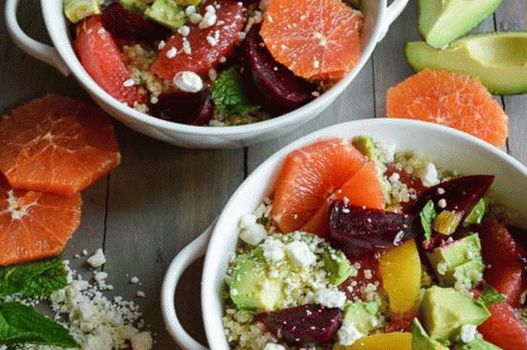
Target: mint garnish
[22,324]
[34,279]
[428,215]
[490,296]
[228,94]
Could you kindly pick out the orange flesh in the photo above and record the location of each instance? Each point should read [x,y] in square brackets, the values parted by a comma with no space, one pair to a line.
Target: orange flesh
[58,145]
[450,99]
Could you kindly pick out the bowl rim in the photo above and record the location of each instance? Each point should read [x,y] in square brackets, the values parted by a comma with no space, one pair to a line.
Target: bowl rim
[72,61]
[208,293]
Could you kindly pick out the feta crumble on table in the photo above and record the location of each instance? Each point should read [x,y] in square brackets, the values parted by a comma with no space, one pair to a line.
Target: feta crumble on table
[97,260]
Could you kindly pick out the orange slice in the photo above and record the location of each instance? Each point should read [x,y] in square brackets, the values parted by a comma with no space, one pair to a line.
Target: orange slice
[57,144]
[361,189]
[308,177]
[455,100]
[315,39]
[35,225]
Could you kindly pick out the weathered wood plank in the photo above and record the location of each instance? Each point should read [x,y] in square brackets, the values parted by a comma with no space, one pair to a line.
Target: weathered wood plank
[355,103]
[160,199]
[22,78]
[509,17]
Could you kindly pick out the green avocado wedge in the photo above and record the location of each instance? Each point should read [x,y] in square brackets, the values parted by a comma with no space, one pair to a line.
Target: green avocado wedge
[499,60]
[443,21]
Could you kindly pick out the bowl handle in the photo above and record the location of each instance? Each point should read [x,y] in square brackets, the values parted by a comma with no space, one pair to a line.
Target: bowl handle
[34,48]
[183,260]
[392,12]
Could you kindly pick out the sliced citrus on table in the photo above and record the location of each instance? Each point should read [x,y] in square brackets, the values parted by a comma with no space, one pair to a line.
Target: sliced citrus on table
[361,189]
[35,225]
[308,177]
[450,99]
[101,57]
[315,39]
[57,144]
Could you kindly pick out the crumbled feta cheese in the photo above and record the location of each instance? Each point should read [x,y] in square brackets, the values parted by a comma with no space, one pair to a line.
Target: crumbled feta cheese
[330,298]
[273,346]
[161,45]
[142,341]
[184,30]
[171,53]
[190,10]
[428,175]
[188,81]
[273,250]
[195,18]
[348,334]
[441,203]
[253,234]
[468,333]
[129,83]
[386,151]
[98,341]
[140,294]
[134,280]
[441,268]
[300,254]
[97,260]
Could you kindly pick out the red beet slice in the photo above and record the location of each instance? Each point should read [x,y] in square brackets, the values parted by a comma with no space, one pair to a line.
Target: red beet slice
[184,107]
[302,325]
[130,25]
[460,194]
[358,229]
[280,90]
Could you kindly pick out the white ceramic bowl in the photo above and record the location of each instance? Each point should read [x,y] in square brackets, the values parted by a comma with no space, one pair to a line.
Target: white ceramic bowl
[378,17]
[446,147]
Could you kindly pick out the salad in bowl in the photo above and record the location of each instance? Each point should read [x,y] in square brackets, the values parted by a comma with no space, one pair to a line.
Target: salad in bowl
[216,62]
[362,247]
[371,234]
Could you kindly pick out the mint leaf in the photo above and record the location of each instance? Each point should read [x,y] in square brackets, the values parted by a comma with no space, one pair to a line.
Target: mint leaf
[477,213]
[228,94]
[428,215]
[22,324]
[490,296]
[35,279]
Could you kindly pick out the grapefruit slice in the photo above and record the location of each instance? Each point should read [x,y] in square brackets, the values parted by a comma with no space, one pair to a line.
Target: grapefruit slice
[361,189]
[206,47]
[315,39]
[455,100]
[100,56]
[57,144]
[308,177]
[35,225]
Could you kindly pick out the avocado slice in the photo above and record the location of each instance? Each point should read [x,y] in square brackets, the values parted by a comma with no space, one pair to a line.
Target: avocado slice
[362,315]
[477,344]
[499,60]
[337,266]
[445,310]
[136,5]
[458,262]
[442,21]
[251,288]
[477,213]
[167,13]
[76,10]
[421,340]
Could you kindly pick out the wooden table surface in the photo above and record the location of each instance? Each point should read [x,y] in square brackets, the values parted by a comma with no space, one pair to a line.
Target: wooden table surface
[162,197]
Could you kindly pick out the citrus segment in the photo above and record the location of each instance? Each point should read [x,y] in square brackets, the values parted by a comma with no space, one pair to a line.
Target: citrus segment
[308,177]
[57,144]
[35,225]
[315,39]
[101,57]
[361,189]
[458,101]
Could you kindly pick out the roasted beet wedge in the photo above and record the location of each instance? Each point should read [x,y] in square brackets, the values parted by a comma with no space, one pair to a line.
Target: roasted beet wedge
[460,194]
[184,107]
[280,90]
[129,25]
[302,325]
[358,229]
